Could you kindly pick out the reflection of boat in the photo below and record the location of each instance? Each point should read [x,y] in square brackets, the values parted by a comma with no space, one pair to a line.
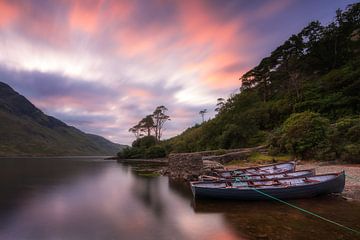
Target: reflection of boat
[302,173]
[261,170]
[299,187]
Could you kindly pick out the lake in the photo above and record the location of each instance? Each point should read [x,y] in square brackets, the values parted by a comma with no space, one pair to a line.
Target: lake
[89,198]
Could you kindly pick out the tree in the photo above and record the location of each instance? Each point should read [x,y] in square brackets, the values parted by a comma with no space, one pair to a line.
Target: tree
[136,131]
[220,104]
[147,124]
[160,118]
[202,113]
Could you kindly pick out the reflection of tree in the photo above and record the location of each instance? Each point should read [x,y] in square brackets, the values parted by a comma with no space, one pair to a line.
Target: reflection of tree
[181,188]
[146,189]
[273,220]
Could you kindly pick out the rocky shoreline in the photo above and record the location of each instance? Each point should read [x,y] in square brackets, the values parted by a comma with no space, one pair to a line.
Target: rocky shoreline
[188,166]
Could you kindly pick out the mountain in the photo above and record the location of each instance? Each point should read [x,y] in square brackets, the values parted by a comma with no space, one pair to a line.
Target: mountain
[26,130]
[308,85]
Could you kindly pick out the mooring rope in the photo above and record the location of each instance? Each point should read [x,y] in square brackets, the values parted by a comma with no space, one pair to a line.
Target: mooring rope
[305,211]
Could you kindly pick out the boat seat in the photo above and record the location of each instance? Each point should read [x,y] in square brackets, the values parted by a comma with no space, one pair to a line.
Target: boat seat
[252,184]
[306,180]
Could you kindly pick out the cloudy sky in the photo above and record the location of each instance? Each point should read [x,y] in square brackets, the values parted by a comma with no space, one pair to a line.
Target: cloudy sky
[101,65]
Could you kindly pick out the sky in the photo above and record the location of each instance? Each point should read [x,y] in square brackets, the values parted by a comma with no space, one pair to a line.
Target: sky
[102,65]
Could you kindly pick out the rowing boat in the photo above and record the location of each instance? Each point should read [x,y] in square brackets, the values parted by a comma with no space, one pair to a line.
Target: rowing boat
[261,170]
[291,188]
[302,173]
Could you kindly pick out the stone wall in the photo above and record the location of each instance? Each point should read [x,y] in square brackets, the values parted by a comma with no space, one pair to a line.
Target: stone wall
[190,165]
[226,151]
[185,165]
[239,154]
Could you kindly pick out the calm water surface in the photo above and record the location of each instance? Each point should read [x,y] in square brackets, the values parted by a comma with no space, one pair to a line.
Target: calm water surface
[89,198]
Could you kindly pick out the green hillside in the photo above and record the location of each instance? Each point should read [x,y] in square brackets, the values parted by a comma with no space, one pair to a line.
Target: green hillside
[303,99]
[25,130]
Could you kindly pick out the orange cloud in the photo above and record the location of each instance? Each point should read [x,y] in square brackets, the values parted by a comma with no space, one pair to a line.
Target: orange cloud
[197,40]
[139,93]
[201,25]
[222,80]
[8,13]
[84,16]
[118,10]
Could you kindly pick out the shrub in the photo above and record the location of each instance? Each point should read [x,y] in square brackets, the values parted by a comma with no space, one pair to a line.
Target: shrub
[345,139]
[144,142]
[155,152]
[131,152]
[274,142]
[304,134]
[351,153]
[180,146]
[231,137]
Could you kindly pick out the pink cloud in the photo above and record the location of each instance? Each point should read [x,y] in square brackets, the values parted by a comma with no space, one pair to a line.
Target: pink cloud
[8,13]
[270,8]
[134,92]
[84,15]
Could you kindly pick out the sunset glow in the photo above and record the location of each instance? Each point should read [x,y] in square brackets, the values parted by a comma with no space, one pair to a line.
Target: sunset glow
[101,65]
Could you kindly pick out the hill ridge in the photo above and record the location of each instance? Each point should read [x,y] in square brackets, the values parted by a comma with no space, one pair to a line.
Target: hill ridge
[26,130]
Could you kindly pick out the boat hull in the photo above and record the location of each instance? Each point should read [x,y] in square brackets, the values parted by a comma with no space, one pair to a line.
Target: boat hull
[335,185]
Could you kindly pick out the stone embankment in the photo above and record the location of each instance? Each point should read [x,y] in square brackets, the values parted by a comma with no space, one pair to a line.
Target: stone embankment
[185,165]
[190,165]
[240,154]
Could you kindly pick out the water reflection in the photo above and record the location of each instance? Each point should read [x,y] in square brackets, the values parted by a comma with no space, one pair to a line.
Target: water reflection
[93,199]
[274,220]
[181,188]
[98,200]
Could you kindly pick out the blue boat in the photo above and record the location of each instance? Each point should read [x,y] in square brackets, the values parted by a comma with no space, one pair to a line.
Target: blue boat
[261,170]
[292,188]
[302,173]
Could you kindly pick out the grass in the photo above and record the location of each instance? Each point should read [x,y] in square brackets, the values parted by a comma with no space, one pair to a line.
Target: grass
[259,158]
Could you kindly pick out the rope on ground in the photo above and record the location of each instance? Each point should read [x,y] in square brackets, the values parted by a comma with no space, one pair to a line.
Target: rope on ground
[308,212]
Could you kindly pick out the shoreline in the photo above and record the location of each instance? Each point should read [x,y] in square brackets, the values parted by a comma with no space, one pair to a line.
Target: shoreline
[352,184]
[352,171]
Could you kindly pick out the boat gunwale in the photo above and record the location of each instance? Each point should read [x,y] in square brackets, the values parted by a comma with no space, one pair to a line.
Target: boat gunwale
[269,165]
[312,171]
[336,176]
[270,174]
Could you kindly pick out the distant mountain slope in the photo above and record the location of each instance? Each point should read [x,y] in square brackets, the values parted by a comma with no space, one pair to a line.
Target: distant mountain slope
[26,130]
